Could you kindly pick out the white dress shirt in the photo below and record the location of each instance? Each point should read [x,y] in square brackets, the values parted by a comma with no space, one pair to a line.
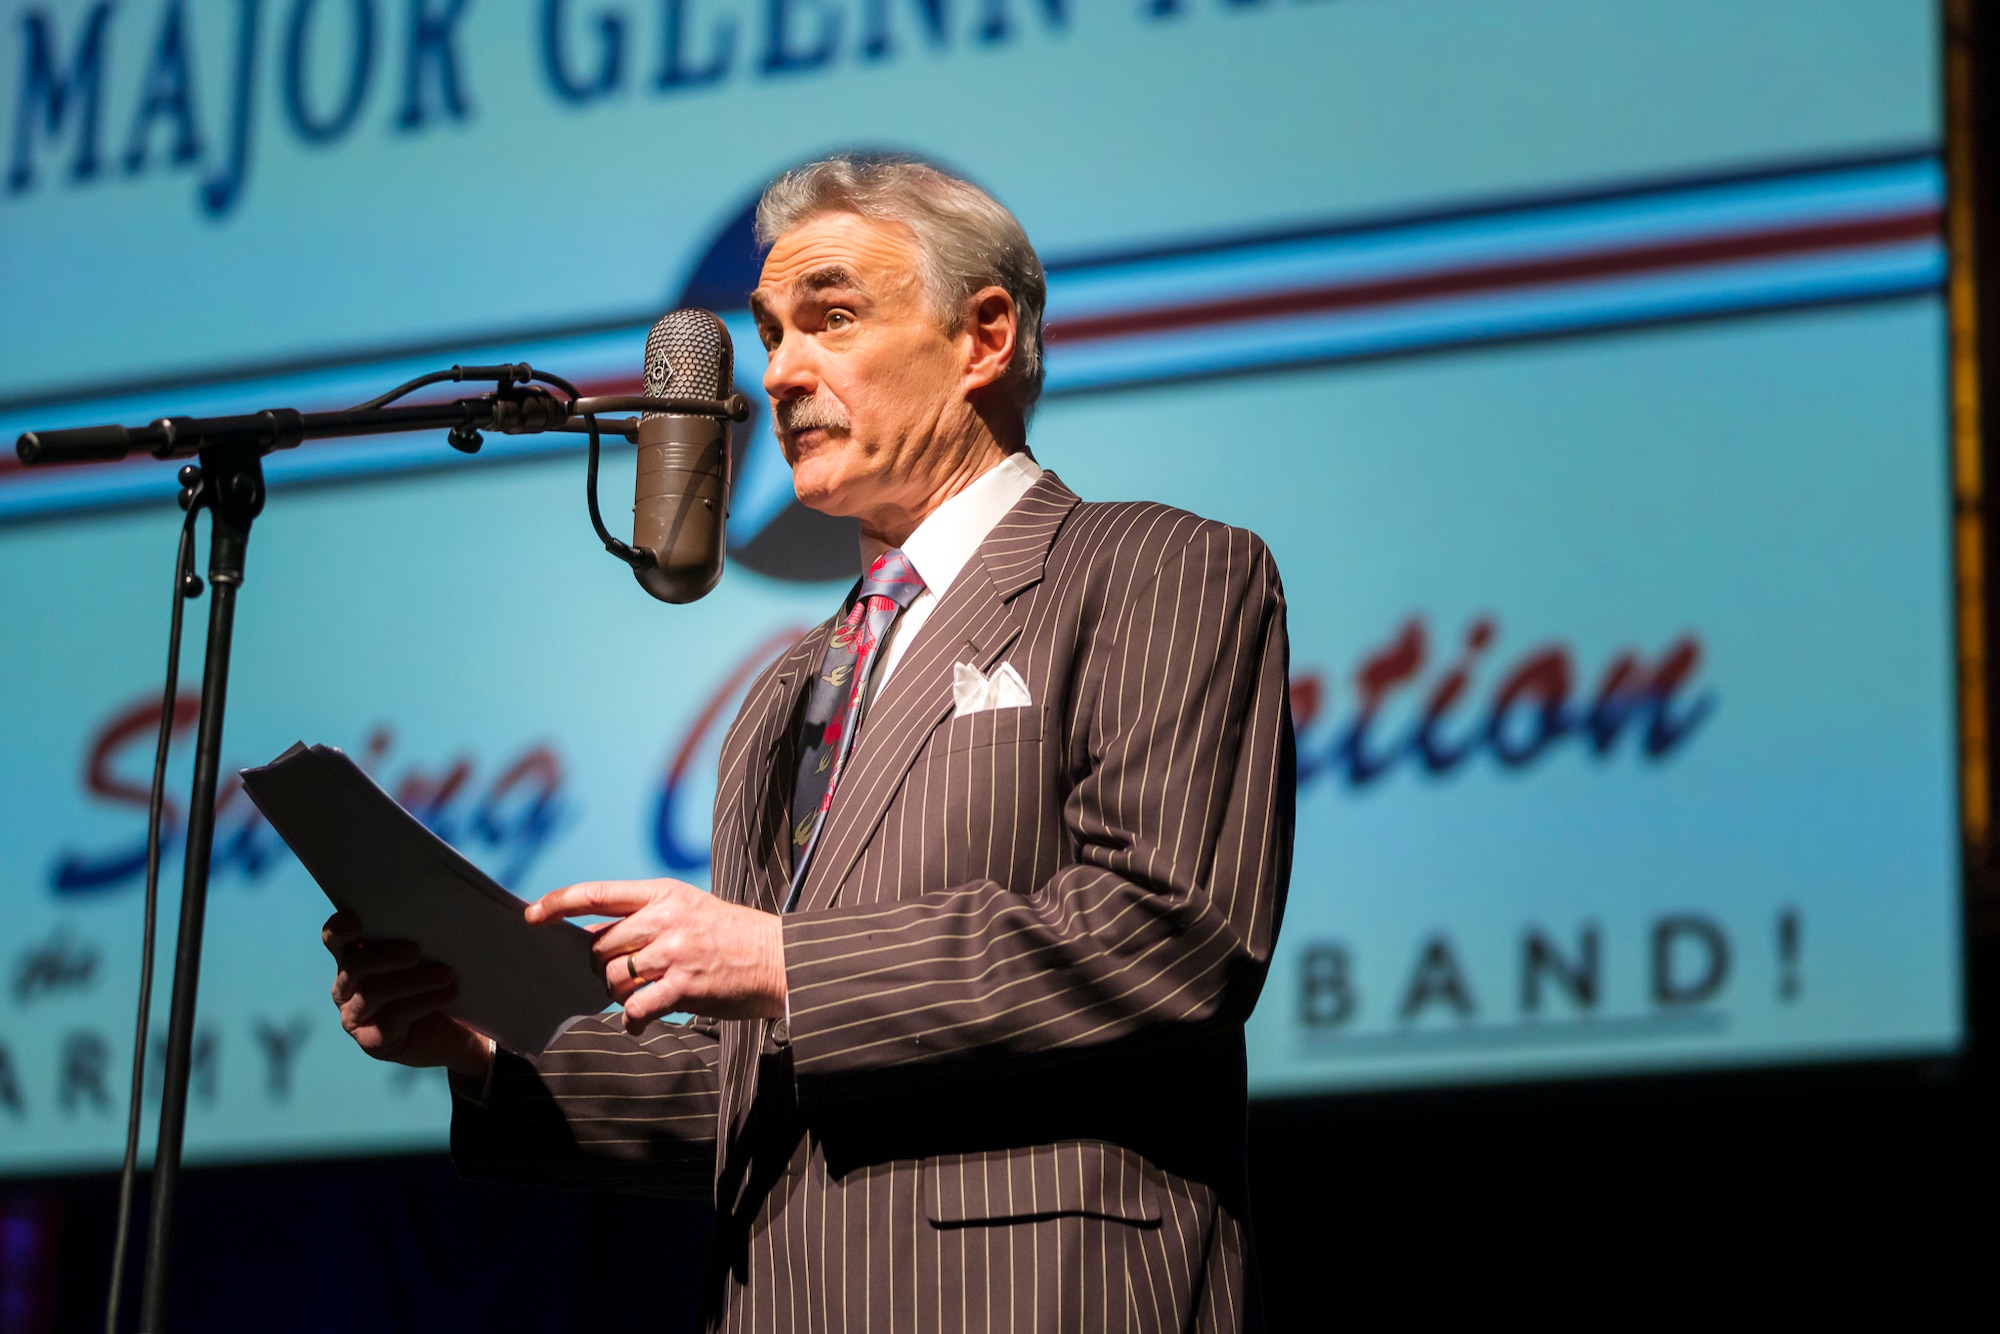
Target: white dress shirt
[940,547]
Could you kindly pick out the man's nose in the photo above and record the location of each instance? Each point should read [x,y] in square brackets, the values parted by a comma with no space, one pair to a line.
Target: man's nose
[789,373]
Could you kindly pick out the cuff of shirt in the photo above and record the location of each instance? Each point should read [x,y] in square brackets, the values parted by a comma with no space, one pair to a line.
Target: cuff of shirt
[478,1095]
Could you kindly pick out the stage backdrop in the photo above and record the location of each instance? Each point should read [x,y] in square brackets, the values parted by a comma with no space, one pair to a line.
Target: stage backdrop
[1583,364]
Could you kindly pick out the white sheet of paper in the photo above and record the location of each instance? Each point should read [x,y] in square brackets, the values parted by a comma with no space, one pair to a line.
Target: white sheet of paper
[518,983]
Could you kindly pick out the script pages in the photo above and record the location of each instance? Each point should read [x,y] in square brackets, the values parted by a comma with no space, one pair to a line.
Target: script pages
[518,982]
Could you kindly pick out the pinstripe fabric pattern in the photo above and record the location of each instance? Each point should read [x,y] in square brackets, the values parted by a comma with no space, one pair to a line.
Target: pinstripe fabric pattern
[1010,1094]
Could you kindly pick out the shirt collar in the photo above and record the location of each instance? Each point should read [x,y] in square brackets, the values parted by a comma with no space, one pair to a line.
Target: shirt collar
[949,534]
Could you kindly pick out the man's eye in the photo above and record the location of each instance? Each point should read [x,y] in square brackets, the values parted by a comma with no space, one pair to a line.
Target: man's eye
[838,319]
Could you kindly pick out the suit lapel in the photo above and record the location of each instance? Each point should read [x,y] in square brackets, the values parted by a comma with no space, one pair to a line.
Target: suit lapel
[766,795]
[976,622]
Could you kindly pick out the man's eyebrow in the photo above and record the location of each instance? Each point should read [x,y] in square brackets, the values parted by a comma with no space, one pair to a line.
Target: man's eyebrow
[830,277]
[821,279]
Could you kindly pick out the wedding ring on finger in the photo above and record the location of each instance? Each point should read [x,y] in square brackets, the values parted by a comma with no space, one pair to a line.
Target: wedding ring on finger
[632,971]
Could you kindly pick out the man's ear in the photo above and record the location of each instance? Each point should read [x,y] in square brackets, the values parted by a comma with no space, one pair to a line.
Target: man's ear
[988,337]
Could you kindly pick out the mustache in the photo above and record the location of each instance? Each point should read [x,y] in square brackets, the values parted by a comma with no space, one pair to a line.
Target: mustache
[804,414]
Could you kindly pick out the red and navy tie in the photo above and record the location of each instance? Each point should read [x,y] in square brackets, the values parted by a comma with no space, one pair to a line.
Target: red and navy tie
[834,710]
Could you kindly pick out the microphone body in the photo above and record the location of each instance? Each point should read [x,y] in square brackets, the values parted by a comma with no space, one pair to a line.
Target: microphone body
[680,502]
[680,496]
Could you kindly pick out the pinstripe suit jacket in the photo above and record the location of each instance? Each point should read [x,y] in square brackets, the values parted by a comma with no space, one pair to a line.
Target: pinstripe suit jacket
[1010,1092]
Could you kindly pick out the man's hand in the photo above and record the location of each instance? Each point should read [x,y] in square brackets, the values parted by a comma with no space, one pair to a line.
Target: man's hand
[392,1002]
[676,947]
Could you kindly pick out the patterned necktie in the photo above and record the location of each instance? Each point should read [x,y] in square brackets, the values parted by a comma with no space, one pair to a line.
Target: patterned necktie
[834,710]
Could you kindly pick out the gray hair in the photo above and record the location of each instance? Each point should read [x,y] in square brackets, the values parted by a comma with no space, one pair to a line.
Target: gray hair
[967,239]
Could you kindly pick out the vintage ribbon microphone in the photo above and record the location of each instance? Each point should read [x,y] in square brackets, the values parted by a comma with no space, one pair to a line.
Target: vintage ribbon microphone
[680,495]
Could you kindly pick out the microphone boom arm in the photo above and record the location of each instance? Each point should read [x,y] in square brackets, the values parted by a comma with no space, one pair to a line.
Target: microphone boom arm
[527,410]
[510,412]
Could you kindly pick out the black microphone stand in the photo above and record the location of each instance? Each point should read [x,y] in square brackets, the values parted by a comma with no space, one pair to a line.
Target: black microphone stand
[229,482]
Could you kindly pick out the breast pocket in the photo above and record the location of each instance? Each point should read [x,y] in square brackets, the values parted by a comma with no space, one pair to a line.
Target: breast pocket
[988,783]
[993,727]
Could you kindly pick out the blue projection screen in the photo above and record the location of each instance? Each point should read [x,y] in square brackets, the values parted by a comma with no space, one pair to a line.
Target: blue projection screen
[1585,366]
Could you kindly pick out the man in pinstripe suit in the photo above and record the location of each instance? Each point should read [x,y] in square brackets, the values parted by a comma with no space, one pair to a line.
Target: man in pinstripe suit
[1000,855]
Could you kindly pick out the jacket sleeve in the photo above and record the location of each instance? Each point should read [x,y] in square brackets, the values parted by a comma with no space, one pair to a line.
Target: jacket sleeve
[599,1108]
[603,1108]
[1181,831]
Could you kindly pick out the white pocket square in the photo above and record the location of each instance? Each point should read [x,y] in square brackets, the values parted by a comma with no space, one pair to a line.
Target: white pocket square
[972,691]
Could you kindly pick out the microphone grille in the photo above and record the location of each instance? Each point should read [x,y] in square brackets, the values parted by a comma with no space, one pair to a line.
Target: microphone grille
[689,355]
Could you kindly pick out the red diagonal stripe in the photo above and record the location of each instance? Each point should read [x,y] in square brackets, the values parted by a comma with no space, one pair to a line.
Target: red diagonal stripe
[1888,230]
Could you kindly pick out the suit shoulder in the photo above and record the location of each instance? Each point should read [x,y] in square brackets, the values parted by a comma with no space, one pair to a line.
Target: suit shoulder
[1141,536]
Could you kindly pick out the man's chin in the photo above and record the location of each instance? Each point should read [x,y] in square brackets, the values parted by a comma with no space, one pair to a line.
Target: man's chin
[818,492]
